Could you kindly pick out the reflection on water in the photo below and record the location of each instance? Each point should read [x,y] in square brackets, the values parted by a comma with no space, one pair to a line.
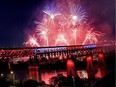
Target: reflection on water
[46,75]
[82,74]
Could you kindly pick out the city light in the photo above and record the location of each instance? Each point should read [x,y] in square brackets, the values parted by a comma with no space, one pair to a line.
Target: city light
[11,72]
[2,74]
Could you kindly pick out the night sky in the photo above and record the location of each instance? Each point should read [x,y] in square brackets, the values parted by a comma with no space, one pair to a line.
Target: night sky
[16,17]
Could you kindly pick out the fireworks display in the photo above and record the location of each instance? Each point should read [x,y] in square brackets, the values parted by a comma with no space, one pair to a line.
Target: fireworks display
[61,27]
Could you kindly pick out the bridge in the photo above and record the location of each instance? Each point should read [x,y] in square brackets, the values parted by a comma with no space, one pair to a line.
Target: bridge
[56,51]
[52,56]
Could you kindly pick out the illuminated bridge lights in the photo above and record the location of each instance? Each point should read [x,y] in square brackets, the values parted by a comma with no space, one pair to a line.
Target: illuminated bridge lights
[45,50]
[90,46]
[79,49]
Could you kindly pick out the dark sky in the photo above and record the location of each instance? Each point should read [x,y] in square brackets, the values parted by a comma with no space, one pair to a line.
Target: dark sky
[15,17]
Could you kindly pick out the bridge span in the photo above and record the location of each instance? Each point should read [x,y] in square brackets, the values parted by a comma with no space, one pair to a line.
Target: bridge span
[55,51]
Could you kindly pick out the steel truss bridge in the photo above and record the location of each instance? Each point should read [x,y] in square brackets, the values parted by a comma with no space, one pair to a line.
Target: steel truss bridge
[54,51]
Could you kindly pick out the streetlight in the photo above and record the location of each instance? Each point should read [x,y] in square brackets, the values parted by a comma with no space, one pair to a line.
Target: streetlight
[11,72]
[2,75]
[73,81]
[13,78]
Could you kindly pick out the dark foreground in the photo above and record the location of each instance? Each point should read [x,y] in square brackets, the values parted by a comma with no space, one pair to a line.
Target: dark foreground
[61,81]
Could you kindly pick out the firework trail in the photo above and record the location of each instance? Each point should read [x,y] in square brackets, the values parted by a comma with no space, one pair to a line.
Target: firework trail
[74,34]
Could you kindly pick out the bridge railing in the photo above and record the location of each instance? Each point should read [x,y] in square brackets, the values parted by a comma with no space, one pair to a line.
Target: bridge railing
[33,51]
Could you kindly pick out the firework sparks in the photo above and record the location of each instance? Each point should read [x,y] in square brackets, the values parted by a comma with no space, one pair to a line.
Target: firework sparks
[78,14]
[74,34]
[32,41]
[51,10]
[92,36]
[59,27]
[61,38]
[43,32]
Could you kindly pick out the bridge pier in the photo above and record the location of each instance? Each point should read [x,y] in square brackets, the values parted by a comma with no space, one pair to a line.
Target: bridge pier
[34,73]
[91,70]
[101,66]
[34,69]
[70,68]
